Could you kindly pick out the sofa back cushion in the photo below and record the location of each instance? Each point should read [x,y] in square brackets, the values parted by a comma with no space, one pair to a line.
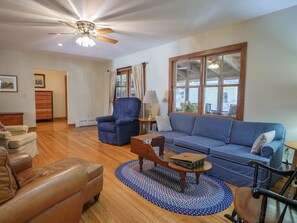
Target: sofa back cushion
[246,133]
[8,184]
[212,127]
[182,123]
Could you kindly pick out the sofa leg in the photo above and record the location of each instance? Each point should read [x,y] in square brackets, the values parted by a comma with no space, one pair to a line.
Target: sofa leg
[96,197]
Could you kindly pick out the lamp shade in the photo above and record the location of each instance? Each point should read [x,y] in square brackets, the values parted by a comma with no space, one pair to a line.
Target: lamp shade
[150,97]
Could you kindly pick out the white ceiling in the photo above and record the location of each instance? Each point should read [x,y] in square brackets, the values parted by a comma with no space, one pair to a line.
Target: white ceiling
[139,24]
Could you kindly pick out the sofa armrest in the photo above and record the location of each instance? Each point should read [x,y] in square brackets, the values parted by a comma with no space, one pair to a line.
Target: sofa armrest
[5,135]
[108,118]
[126,121]
[20,162]
[271,148]
[42,194]
[17,129]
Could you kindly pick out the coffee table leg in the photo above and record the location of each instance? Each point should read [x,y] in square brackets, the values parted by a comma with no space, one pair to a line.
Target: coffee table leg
[197,177]
[140,163]
[182,181]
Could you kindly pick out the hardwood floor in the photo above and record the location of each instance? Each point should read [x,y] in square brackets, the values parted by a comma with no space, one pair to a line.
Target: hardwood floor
[117,202]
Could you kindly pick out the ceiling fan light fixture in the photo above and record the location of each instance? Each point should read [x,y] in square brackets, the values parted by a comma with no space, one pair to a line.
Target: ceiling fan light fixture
[213,66]
[85,41]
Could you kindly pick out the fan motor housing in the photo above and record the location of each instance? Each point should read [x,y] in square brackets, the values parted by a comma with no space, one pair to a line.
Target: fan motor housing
[85,26]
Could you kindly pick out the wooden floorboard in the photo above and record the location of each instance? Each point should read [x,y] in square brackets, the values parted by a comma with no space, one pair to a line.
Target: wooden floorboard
[117,202]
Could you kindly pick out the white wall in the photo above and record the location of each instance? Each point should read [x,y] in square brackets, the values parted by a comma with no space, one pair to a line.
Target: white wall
[271,75]
[55,81]
[85,85]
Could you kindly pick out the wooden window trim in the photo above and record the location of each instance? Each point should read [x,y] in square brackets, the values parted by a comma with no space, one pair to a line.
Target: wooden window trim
[240,47]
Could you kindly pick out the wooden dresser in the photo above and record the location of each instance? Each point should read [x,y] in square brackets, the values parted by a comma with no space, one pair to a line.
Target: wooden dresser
[11,118]
[44,105]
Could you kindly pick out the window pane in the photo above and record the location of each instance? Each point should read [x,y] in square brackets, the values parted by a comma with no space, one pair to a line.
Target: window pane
[231,68]
[229,102]
[188,73]
[118,92]
[118,80]
[124,80]
[213,69]
[186,99]
[211,100]
[221,100]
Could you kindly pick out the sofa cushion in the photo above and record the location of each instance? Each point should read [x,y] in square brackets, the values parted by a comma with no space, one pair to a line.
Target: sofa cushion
[163,123]
[107,126]
[18,141]
[264,138]
[237,154]
[170,135]
[182,123]
[212,127]
[8,185]
[198,143]
[246,133]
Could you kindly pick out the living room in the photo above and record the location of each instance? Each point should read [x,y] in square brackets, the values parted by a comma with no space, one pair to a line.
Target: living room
[270,87]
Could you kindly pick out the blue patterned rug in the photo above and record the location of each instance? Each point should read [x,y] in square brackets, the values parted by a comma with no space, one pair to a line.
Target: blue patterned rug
[161,186]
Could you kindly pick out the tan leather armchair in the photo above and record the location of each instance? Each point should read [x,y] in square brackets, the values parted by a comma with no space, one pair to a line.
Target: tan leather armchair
[16,139]
[54,193]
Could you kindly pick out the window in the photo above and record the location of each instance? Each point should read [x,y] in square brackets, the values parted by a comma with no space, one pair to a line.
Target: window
[209,82]
[124,84]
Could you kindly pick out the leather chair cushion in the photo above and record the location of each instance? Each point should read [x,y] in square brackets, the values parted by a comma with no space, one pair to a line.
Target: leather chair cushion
[94,170]
[8,185]
[21,140]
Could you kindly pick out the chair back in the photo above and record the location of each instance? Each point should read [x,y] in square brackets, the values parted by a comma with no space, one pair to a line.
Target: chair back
[126,108]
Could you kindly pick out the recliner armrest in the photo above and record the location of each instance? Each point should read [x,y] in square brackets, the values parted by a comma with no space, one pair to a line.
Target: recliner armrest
[43,193]
[20,162]
[125,121]
[108,118]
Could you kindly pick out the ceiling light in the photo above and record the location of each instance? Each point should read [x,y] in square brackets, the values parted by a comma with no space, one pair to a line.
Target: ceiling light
[85,40]
[213,66]
[60,44]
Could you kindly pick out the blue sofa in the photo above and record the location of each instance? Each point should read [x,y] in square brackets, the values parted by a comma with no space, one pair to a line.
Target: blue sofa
[227,143]
[118,128]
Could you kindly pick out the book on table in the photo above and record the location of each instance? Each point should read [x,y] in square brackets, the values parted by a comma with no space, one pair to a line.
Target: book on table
[189,160]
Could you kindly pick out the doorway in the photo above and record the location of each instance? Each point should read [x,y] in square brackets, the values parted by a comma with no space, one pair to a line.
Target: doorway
[51,98]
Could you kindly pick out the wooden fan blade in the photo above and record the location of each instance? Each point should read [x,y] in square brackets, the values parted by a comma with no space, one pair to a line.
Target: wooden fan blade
[69,25]
[104,31]
[113,41]
[60,33]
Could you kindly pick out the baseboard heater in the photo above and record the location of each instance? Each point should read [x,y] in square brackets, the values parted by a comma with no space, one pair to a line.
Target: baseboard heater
[86,122]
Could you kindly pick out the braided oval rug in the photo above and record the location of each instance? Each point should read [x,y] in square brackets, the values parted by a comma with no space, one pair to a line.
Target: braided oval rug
[161,186]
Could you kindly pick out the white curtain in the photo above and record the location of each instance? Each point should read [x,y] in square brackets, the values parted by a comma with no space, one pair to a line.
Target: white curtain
[138,74]
[112,82]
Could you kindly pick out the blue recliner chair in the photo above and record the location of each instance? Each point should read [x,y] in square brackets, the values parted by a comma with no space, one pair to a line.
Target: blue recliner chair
[118,128]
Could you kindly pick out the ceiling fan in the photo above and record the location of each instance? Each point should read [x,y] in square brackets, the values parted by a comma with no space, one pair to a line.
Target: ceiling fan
[87,32]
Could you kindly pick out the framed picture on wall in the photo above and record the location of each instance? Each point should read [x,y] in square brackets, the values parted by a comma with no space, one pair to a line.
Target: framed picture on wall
[39,80]
[8,83]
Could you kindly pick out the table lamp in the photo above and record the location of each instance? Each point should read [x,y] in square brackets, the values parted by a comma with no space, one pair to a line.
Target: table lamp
[149,98]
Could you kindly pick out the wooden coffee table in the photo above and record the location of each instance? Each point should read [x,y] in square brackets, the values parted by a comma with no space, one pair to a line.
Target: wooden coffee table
[142,145]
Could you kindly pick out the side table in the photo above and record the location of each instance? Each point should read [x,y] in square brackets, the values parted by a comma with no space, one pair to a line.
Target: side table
[292,145]
[145,121]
